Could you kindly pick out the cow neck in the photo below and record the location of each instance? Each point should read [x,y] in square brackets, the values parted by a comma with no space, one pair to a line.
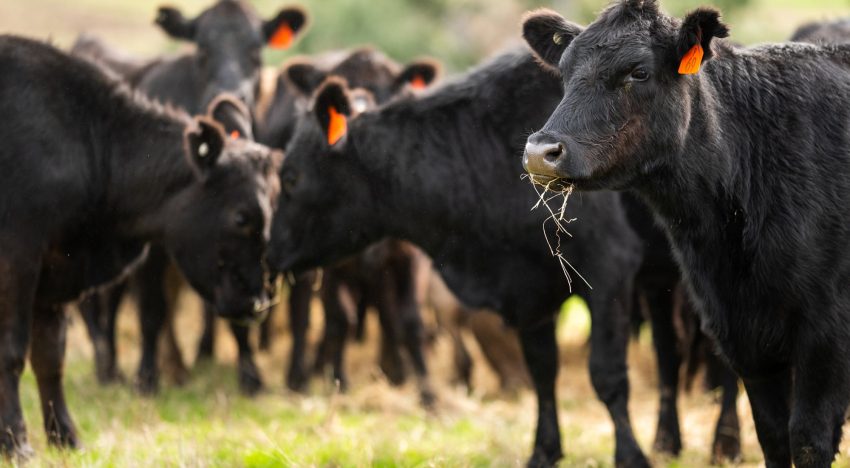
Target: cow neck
[147,165]
[427,187]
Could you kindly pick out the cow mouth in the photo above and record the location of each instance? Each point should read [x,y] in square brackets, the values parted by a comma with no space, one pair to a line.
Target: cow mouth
[549,182]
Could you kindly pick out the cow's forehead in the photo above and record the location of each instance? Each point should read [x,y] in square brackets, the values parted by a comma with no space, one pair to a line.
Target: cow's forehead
[228,15]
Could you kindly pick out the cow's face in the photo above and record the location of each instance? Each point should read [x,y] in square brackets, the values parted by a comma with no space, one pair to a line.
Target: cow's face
[366,69]
[218,228]
[230,37]
[327,205]
[363,69]
[625,101]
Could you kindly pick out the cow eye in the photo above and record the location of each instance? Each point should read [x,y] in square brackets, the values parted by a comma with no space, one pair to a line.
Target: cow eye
[242,220]
[638,74]
[256,57]
[288,181]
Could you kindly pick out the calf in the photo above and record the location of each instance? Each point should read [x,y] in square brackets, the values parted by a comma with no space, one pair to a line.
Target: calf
[229,37]
[91,172]
[443,172]
[744,156]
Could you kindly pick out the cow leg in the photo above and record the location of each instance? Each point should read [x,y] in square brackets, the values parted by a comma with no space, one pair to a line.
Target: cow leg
[821,394]
[668,438]
[206,346]
[18,282]
[462,358]
[340,313]
[540,350]
[300,294]
[153,317]
[100,313]
[501,349]
[250,382]
[769,399]
[727,435]
[49,328]
[609,336]
[389,315]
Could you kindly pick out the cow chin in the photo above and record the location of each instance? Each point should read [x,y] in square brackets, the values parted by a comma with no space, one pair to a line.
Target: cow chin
[238,307]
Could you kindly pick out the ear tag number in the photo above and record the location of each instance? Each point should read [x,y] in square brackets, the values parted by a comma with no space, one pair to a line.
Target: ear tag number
[691,61]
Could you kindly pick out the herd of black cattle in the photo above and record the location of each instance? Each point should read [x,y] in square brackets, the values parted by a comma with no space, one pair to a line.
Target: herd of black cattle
[738,157]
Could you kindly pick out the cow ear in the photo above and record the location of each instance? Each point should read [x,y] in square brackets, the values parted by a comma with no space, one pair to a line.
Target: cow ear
[172,21]
[280,32]
[204,142]
[419,74]
[548,34]
[232,114]
[305,76]
[333,109]
[695,36]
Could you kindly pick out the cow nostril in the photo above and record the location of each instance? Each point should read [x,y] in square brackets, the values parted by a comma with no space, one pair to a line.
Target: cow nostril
[552,154]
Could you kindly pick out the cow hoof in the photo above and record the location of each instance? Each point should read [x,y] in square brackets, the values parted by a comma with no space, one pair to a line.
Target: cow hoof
[110,376]
[667,443]
[636,460]
[393,369]
[147,384]
[63,438]
[726,449]
[250,383]
[296,380]
[18,452]
[428,399]
[542,460]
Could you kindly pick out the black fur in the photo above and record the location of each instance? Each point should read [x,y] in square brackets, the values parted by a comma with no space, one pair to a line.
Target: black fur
[91,173]
[444,172]
[747,166]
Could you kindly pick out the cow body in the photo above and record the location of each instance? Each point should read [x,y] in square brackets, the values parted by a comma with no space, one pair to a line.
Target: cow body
[229,37]
[746,164]
[92,172]
[442,172]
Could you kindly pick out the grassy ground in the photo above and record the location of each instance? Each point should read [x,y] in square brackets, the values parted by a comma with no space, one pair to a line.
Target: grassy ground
[207,423]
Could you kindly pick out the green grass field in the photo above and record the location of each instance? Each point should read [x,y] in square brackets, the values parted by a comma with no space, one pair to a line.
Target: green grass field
[207,422]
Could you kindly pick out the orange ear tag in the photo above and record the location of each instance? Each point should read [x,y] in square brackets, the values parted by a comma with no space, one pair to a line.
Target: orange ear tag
[418,83]
[282,37]
[691,61]
[337,126]
[234,135]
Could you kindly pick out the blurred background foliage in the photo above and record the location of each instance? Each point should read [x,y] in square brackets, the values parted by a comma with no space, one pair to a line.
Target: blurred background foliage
[458,32]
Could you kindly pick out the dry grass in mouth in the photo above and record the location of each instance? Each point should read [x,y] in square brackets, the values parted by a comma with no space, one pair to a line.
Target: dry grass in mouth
[559,219]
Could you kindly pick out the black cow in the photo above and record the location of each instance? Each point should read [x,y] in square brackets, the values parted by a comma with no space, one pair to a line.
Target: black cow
[384,275]
[91,172]
[744,156]
[443,171]
[229,37]
[826,32]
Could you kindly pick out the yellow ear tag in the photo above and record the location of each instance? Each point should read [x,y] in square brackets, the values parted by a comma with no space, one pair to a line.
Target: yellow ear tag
[418,83]
[337,126]
[282,37]
[691,61]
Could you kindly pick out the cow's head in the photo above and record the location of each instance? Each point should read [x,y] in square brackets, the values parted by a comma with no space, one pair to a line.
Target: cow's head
[627,95]
[328,205]
[230,38]
[368,69]
[218,228]
[365,69]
